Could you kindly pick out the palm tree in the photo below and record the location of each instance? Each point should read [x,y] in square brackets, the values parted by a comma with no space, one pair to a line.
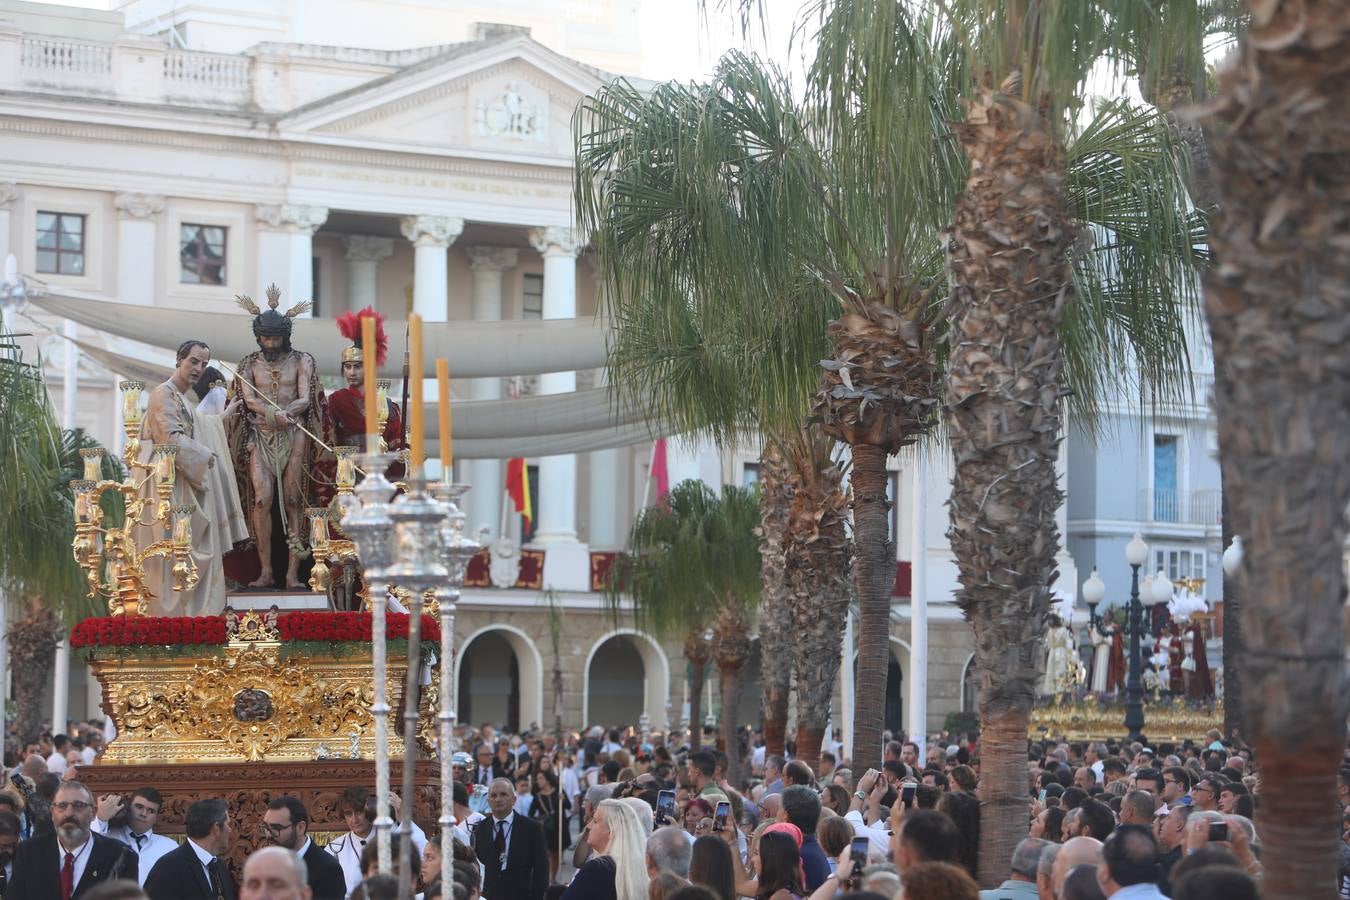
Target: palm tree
[693,562]
[775,633]
[1278,311]
[37,527]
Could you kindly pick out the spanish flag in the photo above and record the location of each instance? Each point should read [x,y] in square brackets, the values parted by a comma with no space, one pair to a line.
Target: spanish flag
[518,489]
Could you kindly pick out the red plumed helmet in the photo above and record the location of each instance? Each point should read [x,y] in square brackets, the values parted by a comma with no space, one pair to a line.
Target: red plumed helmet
[349,324]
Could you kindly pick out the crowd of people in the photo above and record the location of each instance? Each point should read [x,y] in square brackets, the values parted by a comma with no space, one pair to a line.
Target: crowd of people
[638,816]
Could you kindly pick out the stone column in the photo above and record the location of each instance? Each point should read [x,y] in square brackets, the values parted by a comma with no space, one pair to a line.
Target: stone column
[486,475]
[137,241]
[363,267]
[286,249]
[603,517]
[431,236]
[9,192]
[558,474]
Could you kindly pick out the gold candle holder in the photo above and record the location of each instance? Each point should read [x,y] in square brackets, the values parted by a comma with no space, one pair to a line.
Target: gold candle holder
[346,468]
[320,576]
[93,463]
[184,569]
[382,402]
[131,402]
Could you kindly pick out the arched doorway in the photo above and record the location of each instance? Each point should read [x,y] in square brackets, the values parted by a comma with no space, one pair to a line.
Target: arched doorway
[499,679]
[627,674]
[489,683]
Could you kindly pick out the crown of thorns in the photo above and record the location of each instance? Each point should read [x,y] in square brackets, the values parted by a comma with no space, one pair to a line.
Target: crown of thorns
[271,322]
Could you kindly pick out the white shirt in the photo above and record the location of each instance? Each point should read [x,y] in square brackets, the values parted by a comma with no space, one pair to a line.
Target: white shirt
[483,774]
[56,763]
[205,858]
[88,754]
[1139,892]
[81,860]
[347,850]
[522,804]
[877,836]
[152,846]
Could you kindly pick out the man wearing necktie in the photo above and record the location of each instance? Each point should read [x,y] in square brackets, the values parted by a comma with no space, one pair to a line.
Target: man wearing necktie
[484,757]
[511,848]
[134,825]
[66,864]
[195,871]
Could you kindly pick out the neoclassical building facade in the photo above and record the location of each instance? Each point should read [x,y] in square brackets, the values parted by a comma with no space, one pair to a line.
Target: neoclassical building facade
[172,162]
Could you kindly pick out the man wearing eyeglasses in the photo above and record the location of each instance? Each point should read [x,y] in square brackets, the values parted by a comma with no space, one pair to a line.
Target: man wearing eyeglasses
[68,863]
[134,825]
[286,824]
[1205,794]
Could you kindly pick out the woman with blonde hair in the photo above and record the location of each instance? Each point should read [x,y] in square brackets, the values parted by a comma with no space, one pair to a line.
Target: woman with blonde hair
[618,871]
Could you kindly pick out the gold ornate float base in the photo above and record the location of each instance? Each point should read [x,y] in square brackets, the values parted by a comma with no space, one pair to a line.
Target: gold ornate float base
[1091,720]
[248,703]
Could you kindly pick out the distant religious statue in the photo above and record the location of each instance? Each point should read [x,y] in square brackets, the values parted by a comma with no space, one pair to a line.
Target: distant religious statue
[1199,682]
[346,406]
[1108,655]
[1171,647]
[200,484]
[1061,658]
[212,409]
[271,436]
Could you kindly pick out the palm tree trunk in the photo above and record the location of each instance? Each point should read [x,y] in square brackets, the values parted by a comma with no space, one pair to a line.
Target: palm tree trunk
[1008,259]
[731,648]
[1279,313]
[874,581]
[696,652]
[816,562]
[775,642]
[32,651]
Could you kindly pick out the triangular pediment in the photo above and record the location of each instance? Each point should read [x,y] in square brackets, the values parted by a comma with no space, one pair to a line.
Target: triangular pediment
[511,96]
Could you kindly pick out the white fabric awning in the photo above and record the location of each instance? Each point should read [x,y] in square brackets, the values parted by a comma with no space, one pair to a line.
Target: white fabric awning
[474,349]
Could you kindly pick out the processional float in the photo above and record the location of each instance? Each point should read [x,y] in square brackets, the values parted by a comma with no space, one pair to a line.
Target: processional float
[279,695]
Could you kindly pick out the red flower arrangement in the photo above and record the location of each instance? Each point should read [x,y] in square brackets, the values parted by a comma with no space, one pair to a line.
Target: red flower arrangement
[166,631]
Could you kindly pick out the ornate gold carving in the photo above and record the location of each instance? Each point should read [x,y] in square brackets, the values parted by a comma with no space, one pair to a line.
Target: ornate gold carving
[247,704]
[252,627]
[1089,720]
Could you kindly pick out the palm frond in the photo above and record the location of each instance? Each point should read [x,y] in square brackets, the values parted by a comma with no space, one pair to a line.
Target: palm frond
[688,557]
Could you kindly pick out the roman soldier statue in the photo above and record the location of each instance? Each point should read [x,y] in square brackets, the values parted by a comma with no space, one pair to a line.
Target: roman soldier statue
[346,406]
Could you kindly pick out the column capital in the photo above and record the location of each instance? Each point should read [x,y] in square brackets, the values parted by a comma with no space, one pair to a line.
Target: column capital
[9,192]
[431,231]
[290,217]
[492,259]
[138,206]
[556,240]
[367,248]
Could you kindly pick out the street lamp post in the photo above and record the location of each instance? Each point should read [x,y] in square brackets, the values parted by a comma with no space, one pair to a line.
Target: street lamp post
[1136,554]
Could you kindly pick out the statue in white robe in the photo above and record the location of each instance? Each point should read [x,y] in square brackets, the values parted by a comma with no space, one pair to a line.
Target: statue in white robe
[1061,659]
[199,484]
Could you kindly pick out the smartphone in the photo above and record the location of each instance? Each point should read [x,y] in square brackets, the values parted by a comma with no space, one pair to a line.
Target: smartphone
[1218,831]
[907,793]
[1041,797]
[720,816]
[665,808]
[858,853]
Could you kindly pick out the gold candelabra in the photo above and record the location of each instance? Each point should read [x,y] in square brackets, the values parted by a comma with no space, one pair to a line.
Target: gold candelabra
[113,562]
[328,550]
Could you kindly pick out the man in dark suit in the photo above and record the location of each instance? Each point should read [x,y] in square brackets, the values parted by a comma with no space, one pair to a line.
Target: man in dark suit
[67,864]
[195,871]
[511,848]
[286,824]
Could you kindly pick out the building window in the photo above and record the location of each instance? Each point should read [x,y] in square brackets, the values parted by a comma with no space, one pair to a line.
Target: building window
[1178,563]
[1166,499]
[60,243]
[201,254]
[532,299]
[749,474]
